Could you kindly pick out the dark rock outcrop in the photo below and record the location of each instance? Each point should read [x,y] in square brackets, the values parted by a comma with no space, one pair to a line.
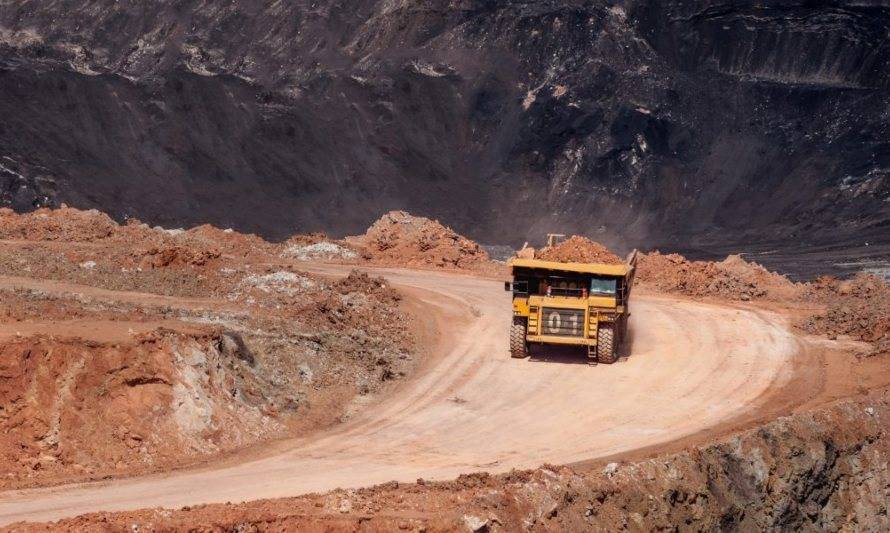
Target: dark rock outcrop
[664,123]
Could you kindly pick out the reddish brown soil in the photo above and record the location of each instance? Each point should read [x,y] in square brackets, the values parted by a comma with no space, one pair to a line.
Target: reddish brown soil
[227,241]
[160,257]
[75,408]
[577,249]
[68,225]
[93,385]
[821,470]
[858,308]
[399,238]
[733,278]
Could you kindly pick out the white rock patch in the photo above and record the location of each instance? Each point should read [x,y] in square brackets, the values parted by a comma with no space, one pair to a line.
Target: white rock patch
[319,250]
[281,282]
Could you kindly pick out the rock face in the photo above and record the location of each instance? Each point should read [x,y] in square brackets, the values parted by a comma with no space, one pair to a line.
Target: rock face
[78,409]
[656,122]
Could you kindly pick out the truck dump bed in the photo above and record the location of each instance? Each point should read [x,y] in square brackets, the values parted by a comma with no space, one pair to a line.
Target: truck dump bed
[581,268]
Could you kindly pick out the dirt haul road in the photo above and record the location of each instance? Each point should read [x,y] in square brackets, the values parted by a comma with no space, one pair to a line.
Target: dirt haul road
[693,367]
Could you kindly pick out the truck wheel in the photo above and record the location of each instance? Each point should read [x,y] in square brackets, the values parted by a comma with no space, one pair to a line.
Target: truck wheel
[605,344]
[518,346]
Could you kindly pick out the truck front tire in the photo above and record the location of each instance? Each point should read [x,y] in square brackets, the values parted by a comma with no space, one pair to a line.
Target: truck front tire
[518,345]
[605,344]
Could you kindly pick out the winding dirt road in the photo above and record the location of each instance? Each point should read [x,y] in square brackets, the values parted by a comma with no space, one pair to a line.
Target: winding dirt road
[693,367]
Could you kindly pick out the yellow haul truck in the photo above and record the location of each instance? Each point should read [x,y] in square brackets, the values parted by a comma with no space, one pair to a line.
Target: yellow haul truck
[581,304]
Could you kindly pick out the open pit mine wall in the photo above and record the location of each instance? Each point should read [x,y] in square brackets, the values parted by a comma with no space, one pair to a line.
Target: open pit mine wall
[656,121]
[821,470]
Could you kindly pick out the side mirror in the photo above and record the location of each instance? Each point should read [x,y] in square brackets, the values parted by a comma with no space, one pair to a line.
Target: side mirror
[508,286]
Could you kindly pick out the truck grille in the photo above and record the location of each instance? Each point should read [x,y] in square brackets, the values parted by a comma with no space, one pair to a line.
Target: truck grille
[564,322]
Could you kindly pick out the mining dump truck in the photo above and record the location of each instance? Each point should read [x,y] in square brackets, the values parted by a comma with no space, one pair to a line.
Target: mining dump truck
[581,304]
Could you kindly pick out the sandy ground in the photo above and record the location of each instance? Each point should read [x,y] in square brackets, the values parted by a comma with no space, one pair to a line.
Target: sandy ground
[693,367]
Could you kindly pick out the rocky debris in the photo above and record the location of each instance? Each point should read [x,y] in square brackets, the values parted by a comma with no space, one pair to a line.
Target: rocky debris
[323,250]
[18,305]
[361,282]
[396,239]
[161,257]
[578,249]
[89,248]
[64,224]
[282,281]
[858,308]
[225,241]
[301,239]
[818,470]
[474,523]
[403,239]
[69,225]
[364,312]
[733,278]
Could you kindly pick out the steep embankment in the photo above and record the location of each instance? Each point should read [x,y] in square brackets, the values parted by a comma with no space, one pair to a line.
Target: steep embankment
[652,121]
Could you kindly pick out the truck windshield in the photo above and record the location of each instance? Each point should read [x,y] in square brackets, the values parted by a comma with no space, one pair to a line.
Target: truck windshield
[603,286]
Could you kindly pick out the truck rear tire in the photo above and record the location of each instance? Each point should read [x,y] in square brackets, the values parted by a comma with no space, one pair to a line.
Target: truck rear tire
[518,345]
[605,344]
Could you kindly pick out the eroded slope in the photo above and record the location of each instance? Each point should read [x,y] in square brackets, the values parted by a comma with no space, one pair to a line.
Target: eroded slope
[127,349]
